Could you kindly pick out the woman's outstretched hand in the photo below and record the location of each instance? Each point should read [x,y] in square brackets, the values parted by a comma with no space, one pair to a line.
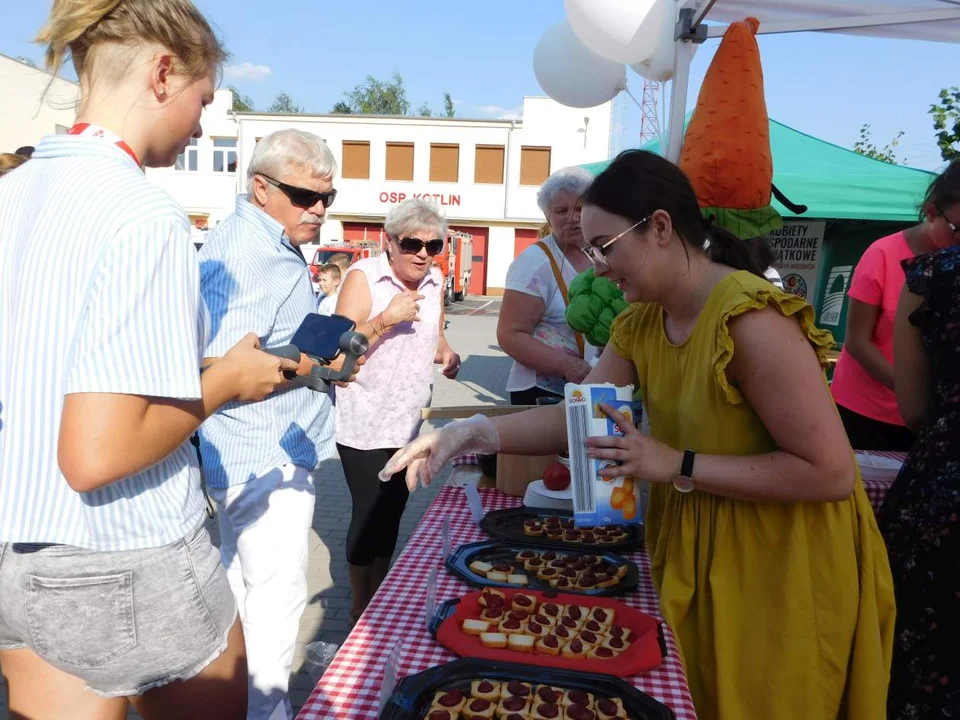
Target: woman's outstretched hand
[425,457]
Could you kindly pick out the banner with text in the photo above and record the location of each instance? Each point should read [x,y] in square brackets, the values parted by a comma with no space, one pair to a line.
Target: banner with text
[796,255]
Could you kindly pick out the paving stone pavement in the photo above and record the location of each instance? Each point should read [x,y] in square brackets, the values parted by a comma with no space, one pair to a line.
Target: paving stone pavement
[482,380]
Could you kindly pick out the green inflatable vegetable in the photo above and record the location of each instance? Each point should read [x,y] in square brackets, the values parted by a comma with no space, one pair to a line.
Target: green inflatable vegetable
[594,304]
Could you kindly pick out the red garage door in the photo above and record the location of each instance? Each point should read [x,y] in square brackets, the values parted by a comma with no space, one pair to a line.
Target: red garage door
[522,239]
[357,232]
[478,272]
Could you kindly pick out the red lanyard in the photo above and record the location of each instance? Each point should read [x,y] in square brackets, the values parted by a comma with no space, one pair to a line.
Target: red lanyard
[88,130]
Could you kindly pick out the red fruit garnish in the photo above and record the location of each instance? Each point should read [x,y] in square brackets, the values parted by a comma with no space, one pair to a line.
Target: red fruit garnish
[515,687]
[548,710]
[514,703]
[580,712]
[548,696]
[607,707]
[452,698]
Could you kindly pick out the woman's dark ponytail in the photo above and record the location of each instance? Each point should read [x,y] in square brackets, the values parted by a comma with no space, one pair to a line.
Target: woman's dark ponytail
[638,182]
[727,249]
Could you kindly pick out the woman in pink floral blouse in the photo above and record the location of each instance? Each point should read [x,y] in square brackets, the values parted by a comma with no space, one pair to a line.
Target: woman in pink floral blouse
[396,299]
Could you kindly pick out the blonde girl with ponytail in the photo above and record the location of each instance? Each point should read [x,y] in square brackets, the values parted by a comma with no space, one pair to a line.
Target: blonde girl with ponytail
[112,592]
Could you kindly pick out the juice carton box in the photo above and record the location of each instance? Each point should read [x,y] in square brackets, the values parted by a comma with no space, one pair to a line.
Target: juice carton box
[599,500]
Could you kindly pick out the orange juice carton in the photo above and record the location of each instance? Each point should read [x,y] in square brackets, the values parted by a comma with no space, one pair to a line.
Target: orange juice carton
[600,500]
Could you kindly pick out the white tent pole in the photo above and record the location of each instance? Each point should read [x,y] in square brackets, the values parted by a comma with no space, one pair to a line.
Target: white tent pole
[678,98]
[847,23]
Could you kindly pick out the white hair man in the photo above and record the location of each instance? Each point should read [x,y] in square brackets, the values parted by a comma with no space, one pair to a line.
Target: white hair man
[259,458]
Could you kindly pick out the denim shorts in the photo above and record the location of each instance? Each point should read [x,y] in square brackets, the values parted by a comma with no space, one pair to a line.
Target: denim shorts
[124,622]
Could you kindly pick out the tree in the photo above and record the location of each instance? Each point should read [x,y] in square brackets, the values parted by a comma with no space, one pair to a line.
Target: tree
[341,108]
[865,146]
[448,109]
[379,97]
[241,103]
[424,110]
[946,121]
[285,104]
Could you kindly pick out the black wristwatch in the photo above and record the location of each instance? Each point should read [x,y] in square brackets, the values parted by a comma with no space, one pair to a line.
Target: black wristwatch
[684,481]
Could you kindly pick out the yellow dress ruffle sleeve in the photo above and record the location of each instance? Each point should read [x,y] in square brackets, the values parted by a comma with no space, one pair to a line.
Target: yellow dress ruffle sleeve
[783,611]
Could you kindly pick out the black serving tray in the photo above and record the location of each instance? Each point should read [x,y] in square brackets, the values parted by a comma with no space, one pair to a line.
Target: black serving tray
[508,525]
[446,609]
[412,697]
[494,551]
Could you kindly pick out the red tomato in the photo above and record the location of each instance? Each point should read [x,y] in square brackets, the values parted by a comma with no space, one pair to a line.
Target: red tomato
[556,477]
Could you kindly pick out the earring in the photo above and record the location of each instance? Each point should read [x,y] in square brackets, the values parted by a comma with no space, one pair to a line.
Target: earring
[162,93]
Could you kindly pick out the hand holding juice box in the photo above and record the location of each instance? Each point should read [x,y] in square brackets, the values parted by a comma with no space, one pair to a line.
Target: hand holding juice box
[599,500]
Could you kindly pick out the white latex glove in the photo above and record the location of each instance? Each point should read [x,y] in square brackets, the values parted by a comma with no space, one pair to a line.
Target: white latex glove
[426,456]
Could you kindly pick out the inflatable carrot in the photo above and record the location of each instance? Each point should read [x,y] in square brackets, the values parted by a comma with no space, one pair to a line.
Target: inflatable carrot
[726,148]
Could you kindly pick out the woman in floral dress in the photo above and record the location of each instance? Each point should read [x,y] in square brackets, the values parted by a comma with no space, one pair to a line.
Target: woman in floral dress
[919,518]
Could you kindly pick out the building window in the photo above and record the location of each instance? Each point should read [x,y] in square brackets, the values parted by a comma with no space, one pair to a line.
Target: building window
[534,165]
[444,163]
[188,159]
[356,160]
[489,165]
[399,161]
[225,155]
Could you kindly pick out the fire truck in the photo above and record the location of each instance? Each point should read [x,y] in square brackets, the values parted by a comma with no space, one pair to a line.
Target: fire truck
[456,264]
[354,251]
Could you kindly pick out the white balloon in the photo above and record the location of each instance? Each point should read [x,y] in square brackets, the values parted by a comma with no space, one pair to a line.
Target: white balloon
[573,75]
[659,67]
[624,31]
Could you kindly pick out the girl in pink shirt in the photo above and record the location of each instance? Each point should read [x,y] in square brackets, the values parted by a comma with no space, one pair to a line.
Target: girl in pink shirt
[863,380]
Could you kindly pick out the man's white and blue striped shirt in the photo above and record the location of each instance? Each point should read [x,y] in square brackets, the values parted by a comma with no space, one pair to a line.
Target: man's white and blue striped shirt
[99,293]
[253,280]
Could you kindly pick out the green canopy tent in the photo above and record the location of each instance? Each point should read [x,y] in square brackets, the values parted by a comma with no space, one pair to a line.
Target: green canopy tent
[833,182]
[851,201]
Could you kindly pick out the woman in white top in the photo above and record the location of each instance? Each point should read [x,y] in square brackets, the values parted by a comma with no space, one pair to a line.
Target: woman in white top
[533,329]
[109,581]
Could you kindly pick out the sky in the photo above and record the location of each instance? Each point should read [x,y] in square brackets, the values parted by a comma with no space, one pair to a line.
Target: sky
[481,53]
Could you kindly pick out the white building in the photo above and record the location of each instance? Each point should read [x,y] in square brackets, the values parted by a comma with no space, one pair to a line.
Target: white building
[34,104]
[484,173]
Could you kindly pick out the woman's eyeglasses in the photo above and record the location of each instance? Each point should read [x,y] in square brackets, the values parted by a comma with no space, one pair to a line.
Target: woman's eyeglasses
[597,254]
[302,197]
[413,245]
[953,228]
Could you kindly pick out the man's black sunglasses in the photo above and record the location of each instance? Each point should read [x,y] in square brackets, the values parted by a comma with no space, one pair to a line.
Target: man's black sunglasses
[301,197]
[413,245]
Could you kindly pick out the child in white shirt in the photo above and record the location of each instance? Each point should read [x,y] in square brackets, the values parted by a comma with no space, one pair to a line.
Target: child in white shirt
[329,280]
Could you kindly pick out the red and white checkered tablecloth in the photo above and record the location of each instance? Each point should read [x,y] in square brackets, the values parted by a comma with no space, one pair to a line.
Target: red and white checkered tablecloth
[877,489]
[350,688]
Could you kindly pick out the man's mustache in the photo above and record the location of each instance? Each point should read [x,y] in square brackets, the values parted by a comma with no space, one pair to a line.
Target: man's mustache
[311,219]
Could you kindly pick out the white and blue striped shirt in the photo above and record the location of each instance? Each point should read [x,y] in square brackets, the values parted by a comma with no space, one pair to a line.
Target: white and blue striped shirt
[253,280]
[99,293]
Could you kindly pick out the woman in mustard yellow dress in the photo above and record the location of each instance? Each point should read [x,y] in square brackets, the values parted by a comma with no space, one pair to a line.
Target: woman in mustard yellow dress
[771,570]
